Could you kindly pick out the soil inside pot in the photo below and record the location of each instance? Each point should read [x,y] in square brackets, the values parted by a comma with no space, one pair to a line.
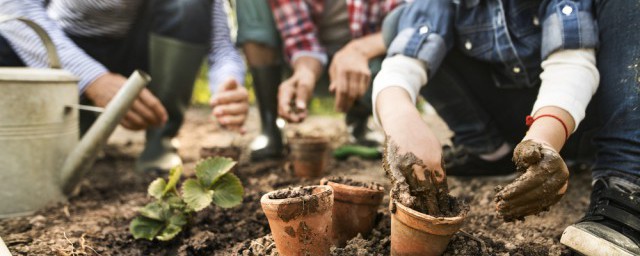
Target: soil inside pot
[311,201]
[291,192]
[416,186]
[354,183]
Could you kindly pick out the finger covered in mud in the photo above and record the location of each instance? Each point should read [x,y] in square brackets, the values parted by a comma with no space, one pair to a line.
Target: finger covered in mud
[542,184]
[416,186]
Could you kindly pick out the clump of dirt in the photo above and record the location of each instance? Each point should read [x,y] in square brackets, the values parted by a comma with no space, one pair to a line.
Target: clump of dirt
[416,186]
[354,183]
[291,192]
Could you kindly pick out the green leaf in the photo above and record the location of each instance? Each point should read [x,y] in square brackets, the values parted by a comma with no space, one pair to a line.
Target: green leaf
[146,228]
[169,232]
[156,188]
[178,218]
[211,169]
[174,177]
[196,196]
[174,226]
[228,191]
[175,202]
[156,210]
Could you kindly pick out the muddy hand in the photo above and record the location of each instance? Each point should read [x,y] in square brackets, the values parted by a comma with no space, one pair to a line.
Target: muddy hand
[543,183]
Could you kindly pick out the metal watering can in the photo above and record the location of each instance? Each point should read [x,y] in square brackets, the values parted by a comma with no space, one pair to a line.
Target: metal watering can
[41,156]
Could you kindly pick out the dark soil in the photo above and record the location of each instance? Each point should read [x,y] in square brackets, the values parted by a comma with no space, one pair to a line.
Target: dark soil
[354,183]
[96,221]
[232,152]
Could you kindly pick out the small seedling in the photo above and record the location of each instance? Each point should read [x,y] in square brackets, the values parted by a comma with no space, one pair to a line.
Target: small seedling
[165,217]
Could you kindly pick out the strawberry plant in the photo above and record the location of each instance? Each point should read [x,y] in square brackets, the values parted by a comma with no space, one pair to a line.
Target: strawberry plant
[165,217]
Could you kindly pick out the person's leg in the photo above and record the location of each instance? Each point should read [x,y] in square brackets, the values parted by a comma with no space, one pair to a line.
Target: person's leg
[612,221]
[258,36]
[179,36]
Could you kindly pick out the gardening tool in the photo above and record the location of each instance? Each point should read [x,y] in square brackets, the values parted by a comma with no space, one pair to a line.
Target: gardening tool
[41,156]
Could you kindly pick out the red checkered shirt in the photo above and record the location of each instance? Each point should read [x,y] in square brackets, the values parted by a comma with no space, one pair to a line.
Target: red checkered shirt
[296,21]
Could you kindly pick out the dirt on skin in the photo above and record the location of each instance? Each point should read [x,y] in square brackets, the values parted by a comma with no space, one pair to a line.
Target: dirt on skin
[350,182]
[542,184]
[416,186]
[96,221]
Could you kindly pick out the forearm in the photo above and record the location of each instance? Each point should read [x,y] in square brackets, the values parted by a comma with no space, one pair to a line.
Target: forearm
[408,74]
[569,80]
[308,67]
[392,103]
[370,46]
[551,130]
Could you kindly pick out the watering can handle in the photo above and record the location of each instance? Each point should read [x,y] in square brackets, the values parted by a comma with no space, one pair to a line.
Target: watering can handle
[52,53]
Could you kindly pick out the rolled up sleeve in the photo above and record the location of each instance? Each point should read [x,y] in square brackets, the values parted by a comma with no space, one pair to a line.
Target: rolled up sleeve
[425,32]
[568,24]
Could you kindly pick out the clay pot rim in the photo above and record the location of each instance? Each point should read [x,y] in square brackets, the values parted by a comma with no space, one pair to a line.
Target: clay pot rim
[354,194]
[325,191]
[440,220]
[427,223]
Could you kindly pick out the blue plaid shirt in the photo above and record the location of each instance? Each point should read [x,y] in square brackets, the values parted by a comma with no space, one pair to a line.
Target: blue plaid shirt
[513,36]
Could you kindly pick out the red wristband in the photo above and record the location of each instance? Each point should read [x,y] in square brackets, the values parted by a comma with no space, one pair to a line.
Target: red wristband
[530,120]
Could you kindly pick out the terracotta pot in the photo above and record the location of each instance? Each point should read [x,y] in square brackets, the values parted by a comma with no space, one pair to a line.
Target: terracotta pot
[354,210]
[309,156]
[415,233]
[230,152]
[300,225]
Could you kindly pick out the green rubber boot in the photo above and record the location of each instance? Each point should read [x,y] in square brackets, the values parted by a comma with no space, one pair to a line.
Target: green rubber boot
[173,67]
[268,145]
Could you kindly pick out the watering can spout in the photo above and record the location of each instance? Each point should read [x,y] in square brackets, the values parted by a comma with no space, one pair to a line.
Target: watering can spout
[81,158]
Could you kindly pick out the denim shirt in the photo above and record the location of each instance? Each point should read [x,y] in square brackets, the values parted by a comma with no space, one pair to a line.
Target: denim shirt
[513,36]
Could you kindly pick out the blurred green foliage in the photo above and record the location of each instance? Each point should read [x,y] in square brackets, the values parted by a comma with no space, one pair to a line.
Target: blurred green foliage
[320,105]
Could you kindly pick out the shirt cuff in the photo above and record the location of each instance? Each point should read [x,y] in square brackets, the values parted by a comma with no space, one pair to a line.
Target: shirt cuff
[569,80]
[420,44]
[87,73]
[399,71]
[320,56]
[220,75]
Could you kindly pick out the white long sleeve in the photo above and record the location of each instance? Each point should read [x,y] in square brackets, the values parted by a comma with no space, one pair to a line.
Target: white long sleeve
[569,80]
[399,71]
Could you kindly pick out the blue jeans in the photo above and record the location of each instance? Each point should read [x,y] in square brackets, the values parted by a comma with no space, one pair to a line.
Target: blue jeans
[618,98]
[484,116]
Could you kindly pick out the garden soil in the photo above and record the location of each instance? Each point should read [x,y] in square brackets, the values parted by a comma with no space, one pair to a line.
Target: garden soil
[96,221]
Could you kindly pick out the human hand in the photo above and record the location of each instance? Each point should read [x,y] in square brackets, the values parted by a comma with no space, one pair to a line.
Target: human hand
[146,110]
[543,183]
[231,105]
[413,155]
[350,76]
[294,93]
